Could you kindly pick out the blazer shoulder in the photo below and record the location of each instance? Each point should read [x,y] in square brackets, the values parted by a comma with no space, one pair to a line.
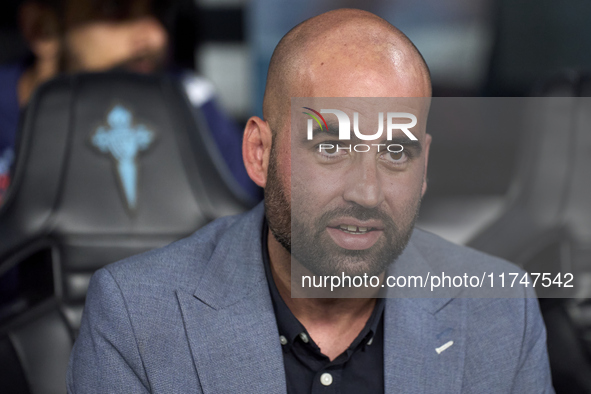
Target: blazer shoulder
[444,254]
[178,263]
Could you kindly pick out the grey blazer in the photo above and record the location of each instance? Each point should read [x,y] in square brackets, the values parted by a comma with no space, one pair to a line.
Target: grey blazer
[196,317]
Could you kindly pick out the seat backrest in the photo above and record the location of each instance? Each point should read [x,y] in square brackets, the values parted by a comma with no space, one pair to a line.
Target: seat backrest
[551,192]
[546,227]
[109,165]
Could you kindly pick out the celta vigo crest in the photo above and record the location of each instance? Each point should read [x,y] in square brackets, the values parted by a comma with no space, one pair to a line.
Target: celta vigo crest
[123,141]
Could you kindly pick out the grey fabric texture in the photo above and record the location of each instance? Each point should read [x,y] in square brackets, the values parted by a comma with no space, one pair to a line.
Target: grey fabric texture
[197,317]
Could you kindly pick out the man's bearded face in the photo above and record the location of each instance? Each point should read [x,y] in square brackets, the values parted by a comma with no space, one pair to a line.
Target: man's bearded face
[305,230]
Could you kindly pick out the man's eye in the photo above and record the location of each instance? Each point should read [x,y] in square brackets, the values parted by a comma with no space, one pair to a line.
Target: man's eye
[395,157]
[331,151]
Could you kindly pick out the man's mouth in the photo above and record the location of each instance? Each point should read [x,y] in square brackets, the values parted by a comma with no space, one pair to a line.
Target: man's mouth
[355,229]
[355,236]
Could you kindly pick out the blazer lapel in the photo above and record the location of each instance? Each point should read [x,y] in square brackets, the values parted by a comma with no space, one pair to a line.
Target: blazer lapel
[229,320]
[424,338]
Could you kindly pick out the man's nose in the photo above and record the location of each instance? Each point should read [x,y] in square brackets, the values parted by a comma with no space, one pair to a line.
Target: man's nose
[149,35]
[363,184]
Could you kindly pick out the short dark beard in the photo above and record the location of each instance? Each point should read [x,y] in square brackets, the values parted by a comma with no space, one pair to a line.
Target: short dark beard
[320,255]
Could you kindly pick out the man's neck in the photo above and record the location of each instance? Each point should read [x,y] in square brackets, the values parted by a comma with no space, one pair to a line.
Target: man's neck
[333,323]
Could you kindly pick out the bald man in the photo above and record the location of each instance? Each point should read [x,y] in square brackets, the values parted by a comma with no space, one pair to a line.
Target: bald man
[219,312]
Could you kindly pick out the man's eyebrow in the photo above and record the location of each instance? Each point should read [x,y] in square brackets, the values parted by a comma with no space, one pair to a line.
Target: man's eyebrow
[406,143]
[333,130]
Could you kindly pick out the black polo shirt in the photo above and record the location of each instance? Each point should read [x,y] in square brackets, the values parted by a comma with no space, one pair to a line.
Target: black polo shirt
[359,369]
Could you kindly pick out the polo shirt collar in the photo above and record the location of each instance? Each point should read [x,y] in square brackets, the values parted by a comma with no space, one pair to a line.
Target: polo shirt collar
[289,326]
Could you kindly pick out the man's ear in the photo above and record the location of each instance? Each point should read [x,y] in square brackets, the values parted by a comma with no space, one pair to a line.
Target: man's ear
[256,149]
[40,28]
[426,147]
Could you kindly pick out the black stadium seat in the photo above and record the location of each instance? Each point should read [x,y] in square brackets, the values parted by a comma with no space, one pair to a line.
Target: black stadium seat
[108,165]
[546,226]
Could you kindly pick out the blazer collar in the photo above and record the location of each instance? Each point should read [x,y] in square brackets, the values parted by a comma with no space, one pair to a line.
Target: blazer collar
[424,332]
[235,268]
[424,352]
[413,263]
[229,319]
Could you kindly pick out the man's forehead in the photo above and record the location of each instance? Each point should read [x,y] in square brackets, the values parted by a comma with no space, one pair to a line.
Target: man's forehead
[357,72]
[365,107]
[345,53]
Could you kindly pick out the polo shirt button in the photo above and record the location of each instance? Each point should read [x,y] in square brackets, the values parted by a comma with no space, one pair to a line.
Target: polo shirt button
[304,337]
[326,379]
[283,340]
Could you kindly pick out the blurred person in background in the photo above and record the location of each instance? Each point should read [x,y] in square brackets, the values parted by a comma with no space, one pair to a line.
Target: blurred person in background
[68,36]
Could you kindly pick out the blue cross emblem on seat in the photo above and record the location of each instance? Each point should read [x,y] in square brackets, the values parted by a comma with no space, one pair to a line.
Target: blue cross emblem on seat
[123,141]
